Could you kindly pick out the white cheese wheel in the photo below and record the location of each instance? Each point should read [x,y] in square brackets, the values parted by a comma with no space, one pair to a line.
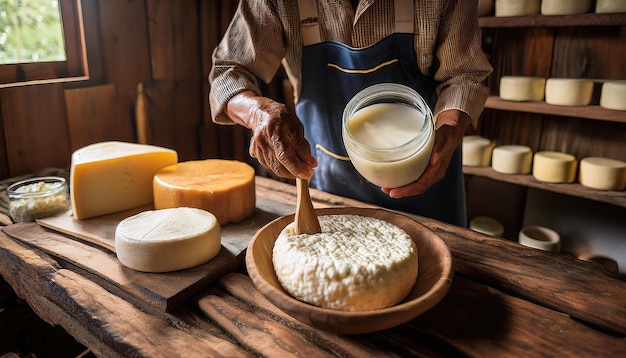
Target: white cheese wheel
[522,88]
[613,95]
[224,188]
[108,177]
[554,167]
[602,173]
[610,6]
[356,263]
[512,159]
[517,7]
[569,91]
[565,7]
[167,240]
[477,151]
[487,226]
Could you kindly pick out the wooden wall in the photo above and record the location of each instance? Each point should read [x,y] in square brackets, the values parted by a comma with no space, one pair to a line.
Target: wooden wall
[165,45]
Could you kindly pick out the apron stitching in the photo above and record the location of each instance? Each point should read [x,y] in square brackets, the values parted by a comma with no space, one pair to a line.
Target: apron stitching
[331,154]
[373,69]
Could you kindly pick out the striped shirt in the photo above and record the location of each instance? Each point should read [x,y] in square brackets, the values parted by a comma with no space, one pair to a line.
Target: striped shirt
[266,33]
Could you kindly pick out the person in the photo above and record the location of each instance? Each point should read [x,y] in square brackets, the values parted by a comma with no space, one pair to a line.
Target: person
[331,50]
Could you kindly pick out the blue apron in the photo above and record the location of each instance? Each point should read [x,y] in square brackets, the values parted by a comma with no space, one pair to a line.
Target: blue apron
[332,73]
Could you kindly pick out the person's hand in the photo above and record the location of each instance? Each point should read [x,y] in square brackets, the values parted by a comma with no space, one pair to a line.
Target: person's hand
[451,126]
[278,141]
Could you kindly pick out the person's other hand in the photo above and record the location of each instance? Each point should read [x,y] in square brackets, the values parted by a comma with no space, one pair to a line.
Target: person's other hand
[451,126]
[278,141]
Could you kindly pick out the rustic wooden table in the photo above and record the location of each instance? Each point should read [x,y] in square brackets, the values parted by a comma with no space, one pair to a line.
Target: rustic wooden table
[505,300]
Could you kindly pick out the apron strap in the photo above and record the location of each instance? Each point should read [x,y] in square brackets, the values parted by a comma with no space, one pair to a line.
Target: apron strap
[309,21]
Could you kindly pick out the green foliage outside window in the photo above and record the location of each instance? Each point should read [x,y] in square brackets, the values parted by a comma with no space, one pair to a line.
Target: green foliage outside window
[30,31]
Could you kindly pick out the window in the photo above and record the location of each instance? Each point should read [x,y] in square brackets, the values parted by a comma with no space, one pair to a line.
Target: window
[41,41]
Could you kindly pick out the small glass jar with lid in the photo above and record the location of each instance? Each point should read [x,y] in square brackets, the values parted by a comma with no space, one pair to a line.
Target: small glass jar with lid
[388,132]
[37,198]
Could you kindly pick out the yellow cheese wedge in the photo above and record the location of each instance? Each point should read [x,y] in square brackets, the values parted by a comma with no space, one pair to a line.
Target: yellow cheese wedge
[108,177]
[224,188]
[167,240]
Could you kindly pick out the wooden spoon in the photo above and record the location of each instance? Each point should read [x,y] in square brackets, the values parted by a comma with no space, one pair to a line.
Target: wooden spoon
[306,219]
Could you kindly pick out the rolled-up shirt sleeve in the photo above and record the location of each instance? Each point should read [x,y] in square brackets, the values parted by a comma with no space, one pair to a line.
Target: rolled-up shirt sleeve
[251,50]
[462,65]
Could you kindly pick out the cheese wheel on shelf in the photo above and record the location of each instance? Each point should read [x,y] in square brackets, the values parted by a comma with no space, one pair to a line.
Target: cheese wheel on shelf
[517,7]
[569,91]
[613,95]
[487,225]
[522,88]
[610,6]
[602,173]
[224,188]
[512,159]
[108,177]
[167,240]
[554,167]
[477,151]
[565,7]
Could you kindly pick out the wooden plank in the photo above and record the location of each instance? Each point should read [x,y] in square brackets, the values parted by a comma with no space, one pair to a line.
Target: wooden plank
[175,116]
[35,128]
[590,19]
[109,325]
[586,112]
[96,114]
[4,160]
[174,39]
[152,291]
[162,291]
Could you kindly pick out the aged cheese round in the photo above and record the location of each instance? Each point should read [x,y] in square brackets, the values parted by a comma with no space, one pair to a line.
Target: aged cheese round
[569,91]
[610,6]
[167,240]
[108,177]
[512,159]
[477,151]
[356,263]
[613,95]
[522,88]
[224,188]
[517,7]
[554,167]
[602,173]
[565,7]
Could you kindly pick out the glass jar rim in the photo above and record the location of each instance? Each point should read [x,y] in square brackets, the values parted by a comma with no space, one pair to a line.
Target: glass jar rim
[390,93]
[58,184]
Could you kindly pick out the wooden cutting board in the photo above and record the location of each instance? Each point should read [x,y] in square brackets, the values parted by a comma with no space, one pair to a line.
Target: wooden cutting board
[89,245]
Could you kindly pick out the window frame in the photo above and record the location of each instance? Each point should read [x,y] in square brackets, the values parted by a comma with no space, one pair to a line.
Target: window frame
[76,67]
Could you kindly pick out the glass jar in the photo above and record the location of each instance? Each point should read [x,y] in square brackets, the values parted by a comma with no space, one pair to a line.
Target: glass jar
[388,131]
[37,198]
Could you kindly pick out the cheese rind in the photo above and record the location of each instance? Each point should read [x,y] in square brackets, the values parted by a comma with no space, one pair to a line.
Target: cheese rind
[108,177]
[356,263]
[569,91]
[613,95]
[167,240]
[522,88]
[554,167]
[512,159]
[224,188]
[565,7]
[517,7]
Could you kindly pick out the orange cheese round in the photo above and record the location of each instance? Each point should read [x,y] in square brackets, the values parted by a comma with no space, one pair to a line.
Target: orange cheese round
[224,188]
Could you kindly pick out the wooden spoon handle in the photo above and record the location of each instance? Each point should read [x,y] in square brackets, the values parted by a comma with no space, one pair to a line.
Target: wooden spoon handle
[306,218]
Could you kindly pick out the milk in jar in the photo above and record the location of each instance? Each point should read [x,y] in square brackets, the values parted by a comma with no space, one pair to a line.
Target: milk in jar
[388,133]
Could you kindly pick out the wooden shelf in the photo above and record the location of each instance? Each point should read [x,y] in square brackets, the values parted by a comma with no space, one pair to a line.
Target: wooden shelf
[617,198]
[589,112]
[590,19]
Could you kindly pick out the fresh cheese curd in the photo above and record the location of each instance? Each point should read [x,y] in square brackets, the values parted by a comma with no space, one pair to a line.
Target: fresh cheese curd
[356,263]
[37,198]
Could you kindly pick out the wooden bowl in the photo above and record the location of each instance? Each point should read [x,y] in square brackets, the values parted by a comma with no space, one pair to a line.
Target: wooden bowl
[433,280]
